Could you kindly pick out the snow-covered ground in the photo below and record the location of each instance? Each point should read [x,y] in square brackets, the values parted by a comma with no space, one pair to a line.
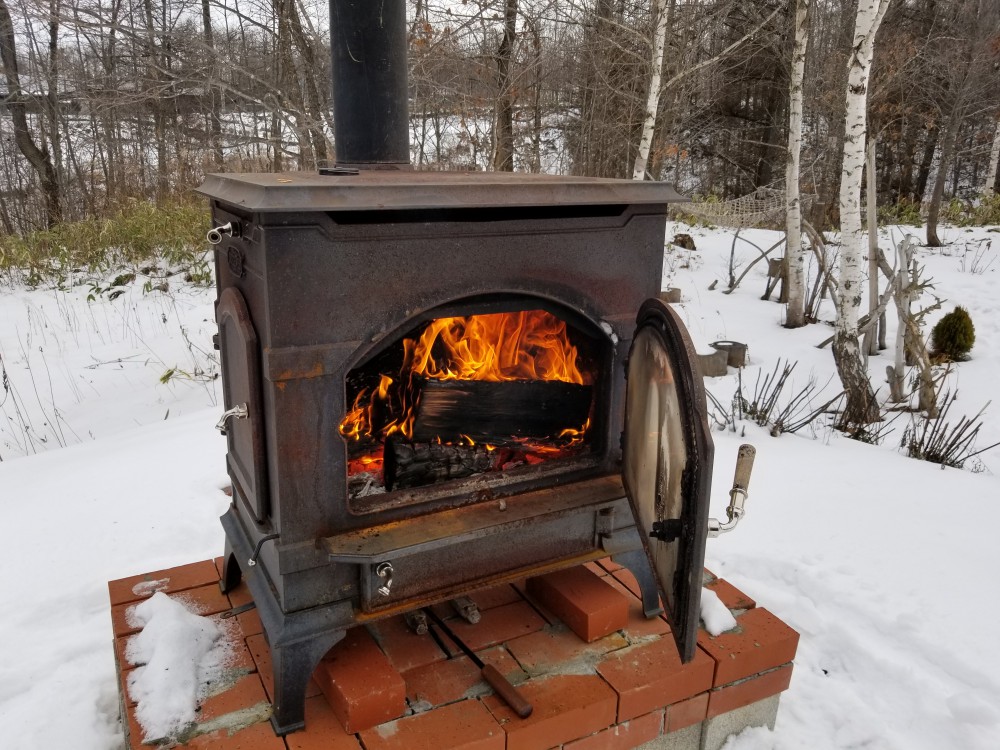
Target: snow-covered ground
[883,563]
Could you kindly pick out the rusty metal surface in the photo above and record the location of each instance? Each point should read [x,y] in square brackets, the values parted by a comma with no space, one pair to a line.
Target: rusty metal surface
[404,538]
[380,190]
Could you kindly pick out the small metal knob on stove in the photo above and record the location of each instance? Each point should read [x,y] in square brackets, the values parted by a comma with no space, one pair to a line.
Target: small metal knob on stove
[384,571]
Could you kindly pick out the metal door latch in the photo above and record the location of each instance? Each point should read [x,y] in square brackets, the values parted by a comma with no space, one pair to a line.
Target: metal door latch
[738,494]
[384,572]
[237,412]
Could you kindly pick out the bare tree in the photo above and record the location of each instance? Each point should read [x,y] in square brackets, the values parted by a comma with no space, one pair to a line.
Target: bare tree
[38,157]
[503,129]
[990,181]
[861,405]
[794,251]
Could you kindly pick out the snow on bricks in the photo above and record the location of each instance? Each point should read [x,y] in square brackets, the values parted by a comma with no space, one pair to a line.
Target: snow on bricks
[385,688]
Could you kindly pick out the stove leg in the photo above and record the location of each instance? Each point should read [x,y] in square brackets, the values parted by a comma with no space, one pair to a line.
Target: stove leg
[637,563]
[231,573]
[293,665]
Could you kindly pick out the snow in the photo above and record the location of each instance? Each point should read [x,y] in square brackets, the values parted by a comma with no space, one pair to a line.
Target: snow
[884,564]
[716,618]
[179,654]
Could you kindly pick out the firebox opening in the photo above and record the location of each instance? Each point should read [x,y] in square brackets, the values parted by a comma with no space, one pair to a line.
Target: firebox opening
[491,395]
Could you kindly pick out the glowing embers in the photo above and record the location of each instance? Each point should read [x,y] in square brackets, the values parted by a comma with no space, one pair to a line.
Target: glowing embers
[469,395]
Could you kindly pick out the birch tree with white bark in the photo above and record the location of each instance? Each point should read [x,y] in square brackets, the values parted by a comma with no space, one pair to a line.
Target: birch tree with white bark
[861,407]
[991,170]
[662,10]
[794,251]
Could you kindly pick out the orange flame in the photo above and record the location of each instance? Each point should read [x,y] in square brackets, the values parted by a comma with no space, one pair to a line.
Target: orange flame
[527,345]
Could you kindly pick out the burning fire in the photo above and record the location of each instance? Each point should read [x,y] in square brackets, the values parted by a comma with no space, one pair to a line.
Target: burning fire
[531,345]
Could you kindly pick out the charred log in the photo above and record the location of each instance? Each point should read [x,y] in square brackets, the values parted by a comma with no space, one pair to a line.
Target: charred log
[495,412]
[418,464]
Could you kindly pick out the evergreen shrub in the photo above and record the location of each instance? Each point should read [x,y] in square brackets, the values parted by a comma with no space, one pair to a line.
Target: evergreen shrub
[954,335]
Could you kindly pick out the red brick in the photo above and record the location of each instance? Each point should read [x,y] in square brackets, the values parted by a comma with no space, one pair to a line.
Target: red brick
[749,691]
[456,679]
[557,647]
[256,737]
[323,731]
[250,623]
[652,676]
[134,731]
[731,596]
[240,657]
[459,726]
[609,565]
[176,579]
[686,713]
[360,684]
[261,654]
[566,708]
[205,600]
[639,626]
[622,736]
[590,606]
[626,578]
[121,644]
[496,626]
[596,569]
[404,648]
[240,595]
[760,642]
[244,693]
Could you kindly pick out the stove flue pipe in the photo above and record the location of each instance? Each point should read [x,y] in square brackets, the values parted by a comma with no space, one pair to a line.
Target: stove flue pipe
[370,107]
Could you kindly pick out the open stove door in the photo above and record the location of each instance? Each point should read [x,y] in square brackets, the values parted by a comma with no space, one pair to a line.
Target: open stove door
[667,463]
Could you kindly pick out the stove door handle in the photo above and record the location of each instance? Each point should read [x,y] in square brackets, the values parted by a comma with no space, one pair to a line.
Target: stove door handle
[237,412]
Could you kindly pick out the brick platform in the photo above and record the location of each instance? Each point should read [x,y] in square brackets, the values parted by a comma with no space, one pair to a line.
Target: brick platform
[599,675]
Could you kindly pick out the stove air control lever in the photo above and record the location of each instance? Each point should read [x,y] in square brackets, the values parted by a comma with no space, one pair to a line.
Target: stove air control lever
[384,571]
[738,494]
[237,412]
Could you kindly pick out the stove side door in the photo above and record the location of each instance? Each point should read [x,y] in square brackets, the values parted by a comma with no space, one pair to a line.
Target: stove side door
[241,384]
[667,463]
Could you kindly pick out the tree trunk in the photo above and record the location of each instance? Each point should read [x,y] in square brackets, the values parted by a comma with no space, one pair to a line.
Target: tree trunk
[990,183]
[947,152]
[214,93]
[503,131]
[861,405]
[794,251]
[871,338]
[662,15]
[39,158]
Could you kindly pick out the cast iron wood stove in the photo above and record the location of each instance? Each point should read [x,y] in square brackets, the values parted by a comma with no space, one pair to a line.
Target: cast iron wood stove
[425,379]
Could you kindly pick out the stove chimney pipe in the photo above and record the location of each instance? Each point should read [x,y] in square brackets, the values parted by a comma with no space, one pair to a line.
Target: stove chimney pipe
[370,107]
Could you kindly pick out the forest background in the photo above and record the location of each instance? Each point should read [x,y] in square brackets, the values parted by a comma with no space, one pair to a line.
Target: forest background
[108,103]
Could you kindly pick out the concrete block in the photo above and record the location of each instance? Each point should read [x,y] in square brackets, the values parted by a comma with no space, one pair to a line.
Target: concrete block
[688,738]
[717,730]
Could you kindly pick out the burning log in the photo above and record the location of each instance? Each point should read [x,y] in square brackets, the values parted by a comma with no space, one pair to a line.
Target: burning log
[495,412]
[417,464]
